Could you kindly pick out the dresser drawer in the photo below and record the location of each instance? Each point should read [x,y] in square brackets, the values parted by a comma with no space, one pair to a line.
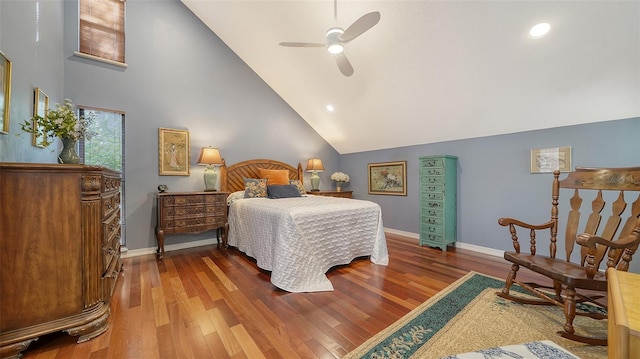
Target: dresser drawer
[111,226]
[433,196]
[217,211]
[430,180]
[432,221]
[188,211]
[110,203]
[430,187]
[435,162]
[434,205]
[217,200]
[426,230]
[111,252]
[432,212]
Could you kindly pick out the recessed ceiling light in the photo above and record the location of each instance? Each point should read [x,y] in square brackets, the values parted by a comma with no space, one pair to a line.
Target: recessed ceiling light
[539,30]
[330,108]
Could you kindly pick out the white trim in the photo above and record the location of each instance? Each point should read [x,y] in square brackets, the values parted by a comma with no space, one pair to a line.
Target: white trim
[206,242]
[172,247]
[461,245]
[100,59]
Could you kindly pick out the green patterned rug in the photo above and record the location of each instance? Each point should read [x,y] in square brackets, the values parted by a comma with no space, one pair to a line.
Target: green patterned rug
[467,316]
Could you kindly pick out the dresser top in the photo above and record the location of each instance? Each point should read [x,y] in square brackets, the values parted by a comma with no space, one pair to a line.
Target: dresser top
[192,193]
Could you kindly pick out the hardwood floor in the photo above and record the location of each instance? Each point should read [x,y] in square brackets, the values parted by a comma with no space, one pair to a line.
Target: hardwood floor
[210,303]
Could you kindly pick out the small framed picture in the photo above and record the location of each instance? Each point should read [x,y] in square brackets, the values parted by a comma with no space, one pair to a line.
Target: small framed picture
[173,152]
[5,87]
[40,108]
[388,178]
[544,160]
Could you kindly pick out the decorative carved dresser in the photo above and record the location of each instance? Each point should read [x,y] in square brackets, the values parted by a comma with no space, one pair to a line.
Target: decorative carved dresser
[438,200]
[190,212]
[59,251]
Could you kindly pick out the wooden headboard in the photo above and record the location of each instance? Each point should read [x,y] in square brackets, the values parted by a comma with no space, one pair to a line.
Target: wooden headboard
[232,177]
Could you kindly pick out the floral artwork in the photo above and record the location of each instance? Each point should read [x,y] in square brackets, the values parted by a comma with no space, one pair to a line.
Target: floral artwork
[388,178]
[173,152]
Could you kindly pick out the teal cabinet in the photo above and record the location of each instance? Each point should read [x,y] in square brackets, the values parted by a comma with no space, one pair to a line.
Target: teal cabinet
[438,185]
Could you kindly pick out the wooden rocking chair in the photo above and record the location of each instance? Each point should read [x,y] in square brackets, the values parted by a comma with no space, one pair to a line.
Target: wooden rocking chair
[585,275]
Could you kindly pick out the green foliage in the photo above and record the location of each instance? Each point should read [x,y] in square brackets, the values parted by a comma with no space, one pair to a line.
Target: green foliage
[59,122]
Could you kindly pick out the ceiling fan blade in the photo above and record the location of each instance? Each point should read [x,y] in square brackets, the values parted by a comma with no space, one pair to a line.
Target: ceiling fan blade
[301,44]
[361,25]
[344,65]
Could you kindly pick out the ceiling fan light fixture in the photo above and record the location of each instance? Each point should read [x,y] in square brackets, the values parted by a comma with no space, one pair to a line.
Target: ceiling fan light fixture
[335,48]
[334,45]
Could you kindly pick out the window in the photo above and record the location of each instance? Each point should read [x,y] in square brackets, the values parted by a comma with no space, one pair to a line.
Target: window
[106,148]
[102,29]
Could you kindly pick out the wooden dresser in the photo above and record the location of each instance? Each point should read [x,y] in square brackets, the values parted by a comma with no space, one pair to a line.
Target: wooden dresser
[190,212]
[59,251]
[624,314]
[343,194]
[438,200]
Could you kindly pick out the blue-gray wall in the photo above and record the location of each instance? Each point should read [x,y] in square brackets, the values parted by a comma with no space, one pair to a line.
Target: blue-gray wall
[494,178]
[180,75]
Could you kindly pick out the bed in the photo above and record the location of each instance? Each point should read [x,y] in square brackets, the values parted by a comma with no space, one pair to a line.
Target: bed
[299,238]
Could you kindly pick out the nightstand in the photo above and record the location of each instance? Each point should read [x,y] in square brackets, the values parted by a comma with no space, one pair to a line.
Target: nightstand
[343,194]
[190,212]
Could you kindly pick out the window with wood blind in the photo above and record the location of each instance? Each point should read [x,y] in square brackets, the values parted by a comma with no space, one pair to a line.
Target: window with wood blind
[102,29]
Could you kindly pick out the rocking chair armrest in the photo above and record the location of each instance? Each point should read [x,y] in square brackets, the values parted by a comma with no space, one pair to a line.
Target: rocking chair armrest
[590,241]
[505,221]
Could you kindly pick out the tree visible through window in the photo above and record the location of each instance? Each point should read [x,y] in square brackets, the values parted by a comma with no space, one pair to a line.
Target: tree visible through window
[106,149]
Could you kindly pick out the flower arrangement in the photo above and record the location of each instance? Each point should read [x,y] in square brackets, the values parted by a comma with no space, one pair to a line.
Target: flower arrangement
[340,177]
[61,122]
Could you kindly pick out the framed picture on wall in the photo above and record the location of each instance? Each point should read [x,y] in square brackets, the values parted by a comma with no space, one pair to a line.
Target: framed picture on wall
[544,160]
[40,108]
[173,152]
[388,178]
[5,86]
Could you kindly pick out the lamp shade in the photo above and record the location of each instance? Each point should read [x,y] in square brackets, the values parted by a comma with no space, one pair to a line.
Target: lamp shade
[209,156]
[314,165]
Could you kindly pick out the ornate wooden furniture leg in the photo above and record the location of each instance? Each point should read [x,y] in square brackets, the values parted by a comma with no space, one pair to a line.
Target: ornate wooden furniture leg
[599,246]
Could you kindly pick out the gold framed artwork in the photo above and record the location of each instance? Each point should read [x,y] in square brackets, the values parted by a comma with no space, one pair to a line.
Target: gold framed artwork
[5,100]
[544,160]
[40,108]
[388,178]
[173,152]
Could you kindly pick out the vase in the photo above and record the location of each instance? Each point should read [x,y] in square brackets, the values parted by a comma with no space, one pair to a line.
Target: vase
[68,154]
[339,186]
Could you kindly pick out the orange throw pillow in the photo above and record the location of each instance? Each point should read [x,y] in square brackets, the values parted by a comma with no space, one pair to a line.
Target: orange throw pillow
[274,176]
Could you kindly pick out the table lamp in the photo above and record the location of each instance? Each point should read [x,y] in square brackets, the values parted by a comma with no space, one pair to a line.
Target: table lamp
[314,165]
[210,156]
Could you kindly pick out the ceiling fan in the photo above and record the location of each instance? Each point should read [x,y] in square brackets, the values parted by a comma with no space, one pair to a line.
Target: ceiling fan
[336,38]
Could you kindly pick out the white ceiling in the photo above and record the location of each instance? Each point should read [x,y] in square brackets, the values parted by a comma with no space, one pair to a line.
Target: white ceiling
[433,71]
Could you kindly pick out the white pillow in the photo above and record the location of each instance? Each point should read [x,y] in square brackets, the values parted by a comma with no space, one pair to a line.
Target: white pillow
[234,197]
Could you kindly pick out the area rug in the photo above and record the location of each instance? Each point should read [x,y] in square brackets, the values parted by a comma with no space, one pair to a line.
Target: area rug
[468,316]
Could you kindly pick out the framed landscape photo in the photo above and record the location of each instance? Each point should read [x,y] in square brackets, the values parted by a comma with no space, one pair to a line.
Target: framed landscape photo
[5,87]
[173,152]
[388,178]
[40,108]
[544,160]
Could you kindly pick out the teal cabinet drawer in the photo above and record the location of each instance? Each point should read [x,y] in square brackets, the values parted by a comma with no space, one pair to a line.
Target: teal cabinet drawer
[433,180]
[432,212]
[434,171]
[432,162]
[432,230]
[435,205]
[435,196]
[430,187]
[433,220]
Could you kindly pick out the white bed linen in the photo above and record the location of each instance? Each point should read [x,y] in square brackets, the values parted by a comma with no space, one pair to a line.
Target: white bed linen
[299,239]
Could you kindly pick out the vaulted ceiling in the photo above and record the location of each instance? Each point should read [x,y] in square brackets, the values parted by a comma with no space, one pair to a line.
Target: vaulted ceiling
[433,71]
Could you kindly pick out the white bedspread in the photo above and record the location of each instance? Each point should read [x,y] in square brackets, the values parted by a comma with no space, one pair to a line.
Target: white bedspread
[298,239]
